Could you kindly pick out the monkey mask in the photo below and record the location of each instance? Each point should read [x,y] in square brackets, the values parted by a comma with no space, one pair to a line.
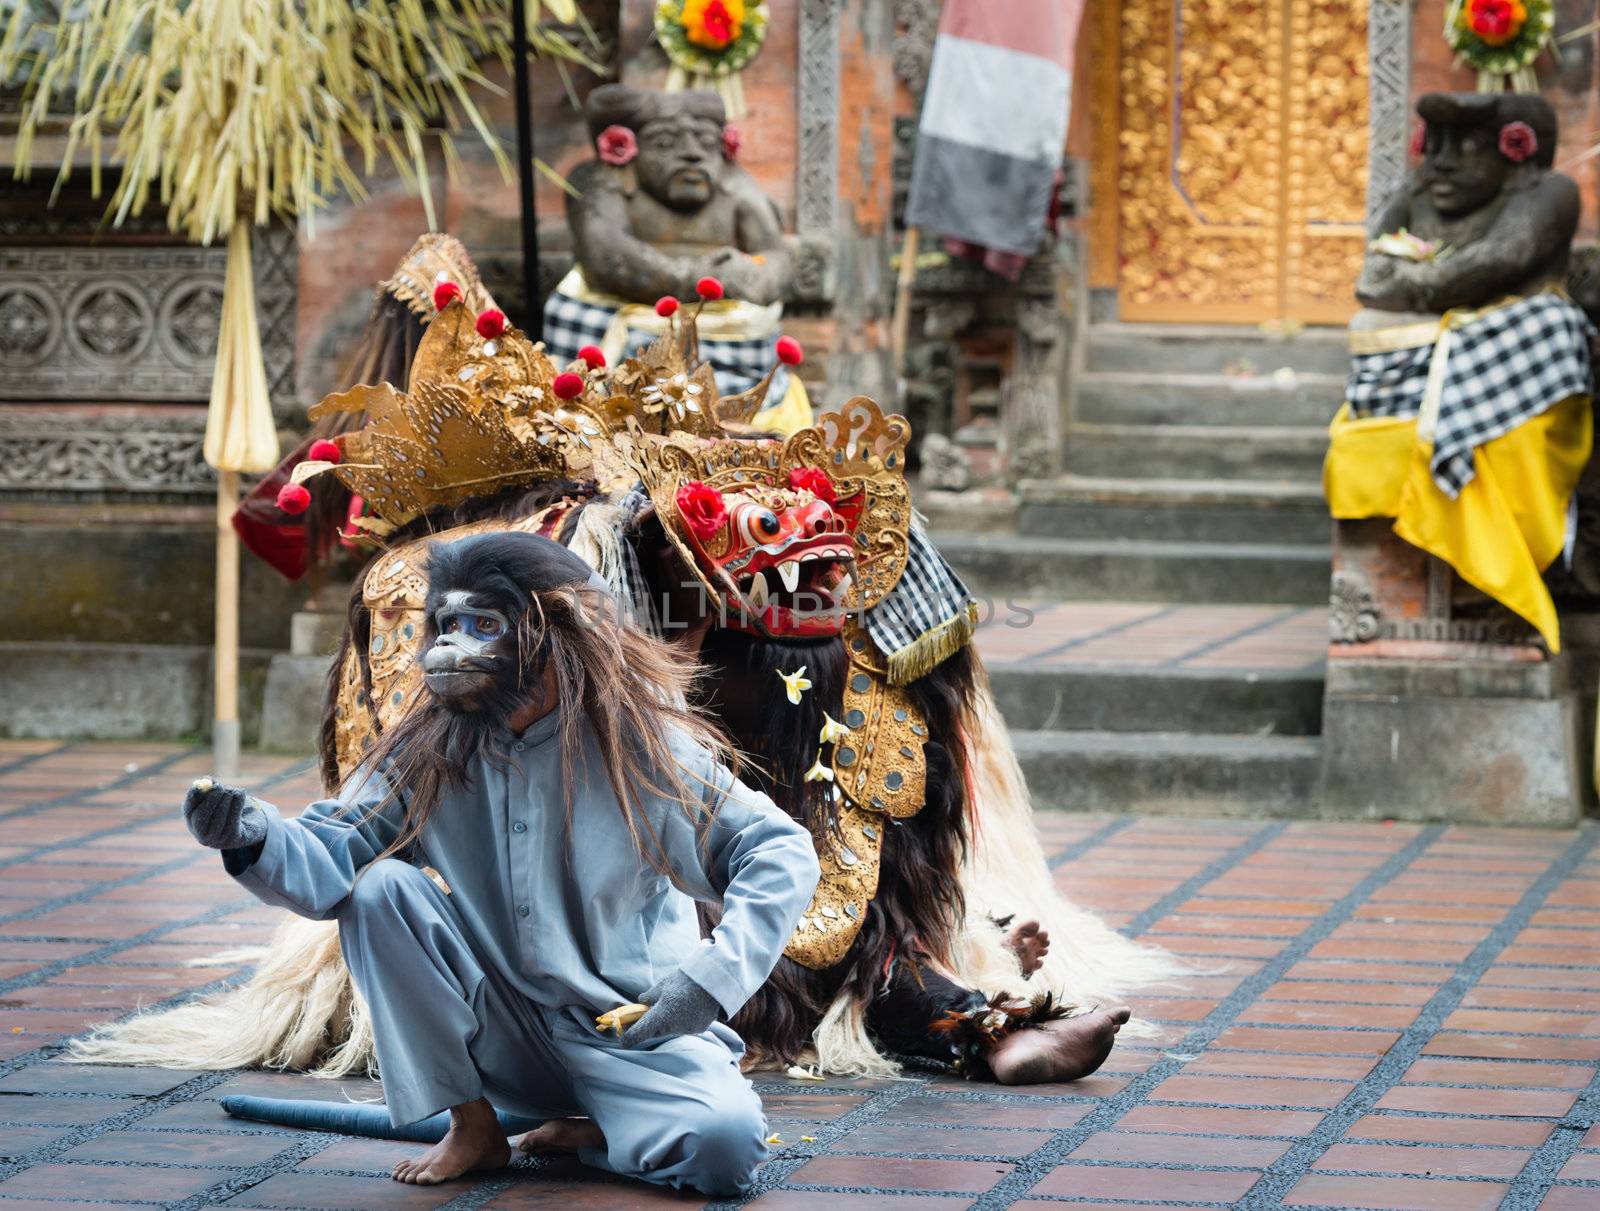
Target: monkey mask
[483,621]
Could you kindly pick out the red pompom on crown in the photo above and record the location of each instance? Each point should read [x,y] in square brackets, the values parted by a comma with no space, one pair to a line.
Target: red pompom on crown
[567,385]
[294,498]
[444,294]
[592,357]
[666,305]
[709,289]
[789,351]
[324,451]
[491,323]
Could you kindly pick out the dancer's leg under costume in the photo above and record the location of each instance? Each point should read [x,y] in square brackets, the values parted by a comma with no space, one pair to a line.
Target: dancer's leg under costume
[449,1030]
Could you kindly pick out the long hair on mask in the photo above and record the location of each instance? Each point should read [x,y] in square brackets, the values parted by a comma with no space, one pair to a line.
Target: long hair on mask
[569,647]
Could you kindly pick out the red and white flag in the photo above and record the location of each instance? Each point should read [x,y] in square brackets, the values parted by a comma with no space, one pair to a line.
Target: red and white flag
[994,121]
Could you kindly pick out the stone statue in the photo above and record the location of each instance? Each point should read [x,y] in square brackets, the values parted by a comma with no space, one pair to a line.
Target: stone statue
[662,206]
[1485,215]
[1466,428]
[653,216]
[1467,421]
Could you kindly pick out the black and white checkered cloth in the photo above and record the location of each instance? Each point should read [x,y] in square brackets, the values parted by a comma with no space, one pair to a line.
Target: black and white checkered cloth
[930,595]
[571,323]
[1504,369]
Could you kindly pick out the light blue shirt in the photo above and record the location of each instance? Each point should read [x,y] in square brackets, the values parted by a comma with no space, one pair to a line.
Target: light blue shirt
[575,919]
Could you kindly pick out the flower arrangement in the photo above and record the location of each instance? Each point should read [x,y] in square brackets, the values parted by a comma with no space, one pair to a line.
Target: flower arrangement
[709,42]
[1404,246]
[1501,38]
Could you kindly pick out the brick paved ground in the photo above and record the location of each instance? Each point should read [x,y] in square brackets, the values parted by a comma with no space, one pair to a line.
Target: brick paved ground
[1248,638]
[1389,1017]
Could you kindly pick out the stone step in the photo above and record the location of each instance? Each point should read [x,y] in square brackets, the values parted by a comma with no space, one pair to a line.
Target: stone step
[120,691]
[1001,566]
[1214,348]
[1173,510]
[1170,773]
[1130,698]
[1154,398]
[1285,454]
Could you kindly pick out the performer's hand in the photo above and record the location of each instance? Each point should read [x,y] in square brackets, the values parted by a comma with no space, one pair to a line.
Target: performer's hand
[222,816]
[677,1006]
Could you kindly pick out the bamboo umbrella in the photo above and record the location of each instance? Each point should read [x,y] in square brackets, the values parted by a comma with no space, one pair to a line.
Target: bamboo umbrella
[230,112]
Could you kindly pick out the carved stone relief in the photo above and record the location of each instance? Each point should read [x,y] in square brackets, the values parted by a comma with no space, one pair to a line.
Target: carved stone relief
[1388,98]
[50,452]
[817,161]
[85,326]
[1353,615]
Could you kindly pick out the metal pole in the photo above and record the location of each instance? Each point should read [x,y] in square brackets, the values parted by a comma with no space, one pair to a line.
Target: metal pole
[533,312]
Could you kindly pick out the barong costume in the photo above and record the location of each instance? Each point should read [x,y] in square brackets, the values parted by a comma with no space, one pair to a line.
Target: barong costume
[486,957]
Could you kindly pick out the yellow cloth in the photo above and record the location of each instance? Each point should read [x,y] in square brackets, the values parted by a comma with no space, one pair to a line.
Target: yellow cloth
[790,414]
[1507,525]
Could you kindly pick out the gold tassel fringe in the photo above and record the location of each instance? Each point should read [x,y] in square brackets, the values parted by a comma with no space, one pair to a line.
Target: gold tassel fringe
[932,648]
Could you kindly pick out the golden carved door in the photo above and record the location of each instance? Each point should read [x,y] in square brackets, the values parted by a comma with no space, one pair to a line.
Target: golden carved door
[1240,168]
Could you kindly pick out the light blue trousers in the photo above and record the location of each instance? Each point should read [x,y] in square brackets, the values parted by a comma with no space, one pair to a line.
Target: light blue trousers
[451,1029]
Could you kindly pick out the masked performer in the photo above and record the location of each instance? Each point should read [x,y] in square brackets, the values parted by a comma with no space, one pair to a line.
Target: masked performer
[518,857]
[839,643]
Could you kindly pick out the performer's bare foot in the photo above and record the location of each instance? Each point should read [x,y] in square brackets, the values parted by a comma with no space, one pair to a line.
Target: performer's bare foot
[1063,1050]
[1031,944]
[473,1142]
[560,1135]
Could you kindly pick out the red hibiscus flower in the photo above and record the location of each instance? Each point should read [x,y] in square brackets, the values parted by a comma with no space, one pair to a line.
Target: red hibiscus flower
[702,509]
[1492,20]
[732,140]
[616,145]
[814,481]
[1419,141]
[718,22]
[1518,142]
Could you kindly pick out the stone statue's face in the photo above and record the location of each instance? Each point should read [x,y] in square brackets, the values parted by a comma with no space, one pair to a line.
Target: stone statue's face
[1463,169]
[680,160]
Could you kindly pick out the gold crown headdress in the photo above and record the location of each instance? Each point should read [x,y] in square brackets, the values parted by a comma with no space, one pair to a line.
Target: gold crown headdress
[448,438]
[433,259]
[488,410]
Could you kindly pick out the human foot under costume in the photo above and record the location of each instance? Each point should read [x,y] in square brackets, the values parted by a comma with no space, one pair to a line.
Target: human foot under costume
[739,548]
[518,857]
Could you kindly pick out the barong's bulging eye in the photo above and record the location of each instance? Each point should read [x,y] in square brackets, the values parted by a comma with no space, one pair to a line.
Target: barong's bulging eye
[757,525]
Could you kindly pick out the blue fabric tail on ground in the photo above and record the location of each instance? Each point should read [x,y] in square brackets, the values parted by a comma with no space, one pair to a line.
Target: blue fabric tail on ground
[355,1118]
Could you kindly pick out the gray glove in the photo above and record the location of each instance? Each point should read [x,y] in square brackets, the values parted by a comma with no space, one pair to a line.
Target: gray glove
[223,817]
[677,1006]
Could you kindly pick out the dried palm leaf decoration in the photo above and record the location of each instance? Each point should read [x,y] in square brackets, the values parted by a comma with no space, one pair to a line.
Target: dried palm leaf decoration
[228,112]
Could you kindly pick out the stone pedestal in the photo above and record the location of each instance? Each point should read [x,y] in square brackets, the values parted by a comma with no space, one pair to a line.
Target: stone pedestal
[1442,705]
[291,706]
[1480,741]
